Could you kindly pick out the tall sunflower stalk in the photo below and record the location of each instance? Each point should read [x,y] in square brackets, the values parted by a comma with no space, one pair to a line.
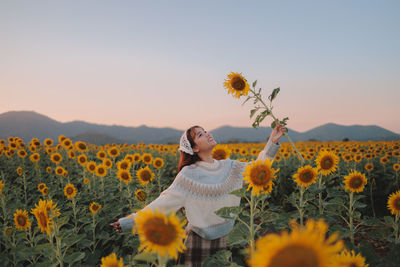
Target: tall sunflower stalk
[394,207]
[237,85]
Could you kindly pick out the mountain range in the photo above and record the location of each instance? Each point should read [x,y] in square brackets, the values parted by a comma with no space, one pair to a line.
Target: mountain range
[30,124]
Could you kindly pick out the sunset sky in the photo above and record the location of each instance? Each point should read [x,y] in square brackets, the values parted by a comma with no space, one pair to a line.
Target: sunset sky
[163,63]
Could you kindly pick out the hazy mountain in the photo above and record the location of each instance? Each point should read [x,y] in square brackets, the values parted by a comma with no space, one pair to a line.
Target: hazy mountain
[29,124]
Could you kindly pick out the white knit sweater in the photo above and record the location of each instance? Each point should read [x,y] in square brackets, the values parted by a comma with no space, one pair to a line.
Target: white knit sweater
[203,188]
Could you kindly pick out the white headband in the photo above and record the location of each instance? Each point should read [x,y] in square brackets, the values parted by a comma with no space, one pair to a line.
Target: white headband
[184,144]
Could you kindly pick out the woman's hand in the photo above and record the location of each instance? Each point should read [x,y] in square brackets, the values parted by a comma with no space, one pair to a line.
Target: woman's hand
[116,226]
[277,132]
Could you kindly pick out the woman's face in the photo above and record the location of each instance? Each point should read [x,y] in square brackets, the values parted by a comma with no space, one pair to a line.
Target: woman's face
[203,140]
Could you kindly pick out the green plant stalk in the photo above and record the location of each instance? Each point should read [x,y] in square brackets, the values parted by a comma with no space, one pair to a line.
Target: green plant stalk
[301,205]
[351,211]
[371,197]
[286,135]
[159,181]
[74,209]
[396,229]
[130,197]
[251,228]
[3,207]
[93,232]
[320,195]
[162,261]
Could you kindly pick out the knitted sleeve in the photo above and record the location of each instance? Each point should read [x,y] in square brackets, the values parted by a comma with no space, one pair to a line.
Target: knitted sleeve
[270,150]
[169,200]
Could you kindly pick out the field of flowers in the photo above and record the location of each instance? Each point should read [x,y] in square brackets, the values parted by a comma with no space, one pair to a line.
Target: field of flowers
[58,199]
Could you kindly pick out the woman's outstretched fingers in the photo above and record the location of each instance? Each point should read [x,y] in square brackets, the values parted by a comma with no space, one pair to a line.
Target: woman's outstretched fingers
[116,226]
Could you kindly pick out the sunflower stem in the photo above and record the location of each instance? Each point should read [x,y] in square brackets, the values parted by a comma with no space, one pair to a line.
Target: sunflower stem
[252,233]
[320,195]
[396,229]
[351,218]
[162,260]
[301,205]
[372,199]
[272,115]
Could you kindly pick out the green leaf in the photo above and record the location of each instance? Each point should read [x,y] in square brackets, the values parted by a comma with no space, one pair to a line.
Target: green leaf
[220,258]
[254,84]
[241,192]
[253,111]
[273,124]
[145,256]
[227,212]
[274,94]
[74,257]
[388,219]
[238,236]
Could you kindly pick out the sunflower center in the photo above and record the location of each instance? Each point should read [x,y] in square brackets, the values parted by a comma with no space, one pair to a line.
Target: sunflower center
[146,176]
[306,176]
[95,207]
[356,182]
[100,170]
[70,191]
[21,220]
[159,232]
[124,165]
[260,175]
[220,154]
[146,159]
[326,163]
[158,163]
[125,176]
[295,255]
[238,84]
[396,203]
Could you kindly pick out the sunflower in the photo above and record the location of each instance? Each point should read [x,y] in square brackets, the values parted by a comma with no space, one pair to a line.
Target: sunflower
[396,167]
[71,154]
[19,171]
[61,138]
[66,143]
[45,191]
[59,170]
[48,142]
[21,220]
[1,187]
[48,169]
[107,163]
[369,166]
[394,203]
[349,259]
[123,165]
[41,186]
[147,158]
[145,175]
[81,146]
[159,233]
[113,151]
[125,176]
[22,153]
[357,158]
[111,261]
[355,182]
[56,157]
[86,180]
[384,160]
[158,163]
[82,160]
[286,154]
[94,207]
[35,157]
[101,154]
[236,85]
[259,176]
[70,191]
[101,170]
[278,158]
[304,246]
[220,152]
[137,157]
[91,166]
[327,162]
[140,195]
[306,176]
[129,158]
[45,222]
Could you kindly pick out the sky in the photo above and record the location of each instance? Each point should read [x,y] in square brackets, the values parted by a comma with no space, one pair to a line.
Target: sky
[163,63]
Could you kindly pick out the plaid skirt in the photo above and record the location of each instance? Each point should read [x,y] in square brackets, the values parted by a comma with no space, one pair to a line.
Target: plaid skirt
[198,248]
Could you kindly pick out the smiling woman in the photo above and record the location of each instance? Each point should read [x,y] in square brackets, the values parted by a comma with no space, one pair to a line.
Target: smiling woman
[203,186]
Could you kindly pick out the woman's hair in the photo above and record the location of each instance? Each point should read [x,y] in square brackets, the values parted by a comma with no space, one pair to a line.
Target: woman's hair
[186,159]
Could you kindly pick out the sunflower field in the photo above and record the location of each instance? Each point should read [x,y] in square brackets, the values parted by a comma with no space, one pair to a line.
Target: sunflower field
[340,207]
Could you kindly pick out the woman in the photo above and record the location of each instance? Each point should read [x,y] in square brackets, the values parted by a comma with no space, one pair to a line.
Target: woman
[202,186]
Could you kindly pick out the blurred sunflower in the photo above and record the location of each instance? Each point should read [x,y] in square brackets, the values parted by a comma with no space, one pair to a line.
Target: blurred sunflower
[66,143]
[59,170]
[306,176]
[91,166]
[129,158]
[107,163]
[35,157]
[71,154]
[147,158]
[140,195]
[124,176]
[349,259]
[48,169]
[357,158]
[19,171]
[369,167]
[327,162]
[220,152]
[304,246]
[48,142]
[94,207]
[396,167]
[86,180]
[41,186]
[81,146]
[112,261]
[259,176]
[355,182]
[45,222]
[123,165]
[394,203]
[144,175]
[45,191]
[158,163]
[101,154]
[56,157]
[384,160]
[21,220]
[1,187]
[70,191]
[113,152]
[236,85]
[137,157]
[101,170]
[159,233]
[82,160]
[22,153]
